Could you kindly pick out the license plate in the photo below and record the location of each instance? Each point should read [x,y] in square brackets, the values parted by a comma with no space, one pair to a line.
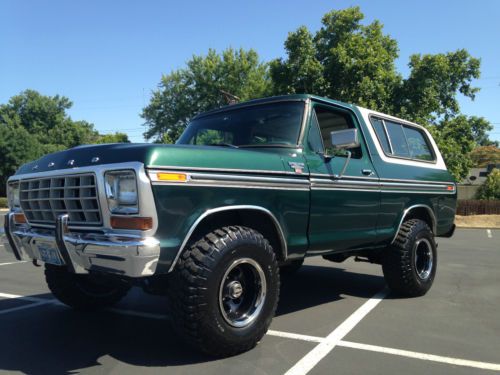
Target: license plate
[49,254]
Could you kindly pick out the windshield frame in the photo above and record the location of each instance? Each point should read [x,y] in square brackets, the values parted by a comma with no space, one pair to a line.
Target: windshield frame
[237,107]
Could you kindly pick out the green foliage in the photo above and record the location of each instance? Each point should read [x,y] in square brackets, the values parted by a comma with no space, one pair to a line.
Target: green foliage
[32,125]
[430,91]
[116,137]
[17,146]
[197,88]
[491,187]
[484,155]
[455,140]
[344,60]
[3,202]
[46,119]
[302,72]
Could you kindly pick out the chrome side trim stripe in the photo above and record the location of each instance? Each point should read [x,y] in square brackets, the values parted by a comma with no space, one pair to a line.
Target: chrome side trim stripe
[303,183]
[289,173]
[231,180]
[382,180]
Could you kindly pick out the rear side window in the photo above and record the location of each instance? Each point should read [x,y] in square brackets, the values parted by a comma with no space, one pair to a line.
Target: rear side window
[400,140]
[378,124]
[417,143]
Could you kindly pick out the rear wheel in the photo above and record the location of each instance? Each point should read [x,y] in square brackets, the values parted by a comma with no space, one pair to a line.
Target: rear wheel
[410,263]
[224,291]
[83,292]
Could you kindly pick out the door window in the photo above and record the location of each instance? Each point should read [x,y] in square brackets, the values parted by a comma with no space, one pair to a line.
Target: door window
[325,121]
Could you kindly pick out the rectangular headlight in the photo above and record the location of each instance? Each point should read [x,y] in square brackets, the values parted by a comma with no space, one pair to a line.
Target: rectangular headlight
[121,192]
[13,195]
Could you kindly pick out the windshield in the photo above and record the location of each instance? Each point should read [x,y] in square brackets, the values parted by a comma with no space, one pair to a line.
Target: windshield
[274,124]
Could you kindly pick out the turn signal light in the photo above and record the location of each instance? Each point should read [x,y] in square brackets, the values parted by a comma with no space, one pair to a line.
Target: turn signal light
[450,188]
[19,218]
[176,177]
[137,223]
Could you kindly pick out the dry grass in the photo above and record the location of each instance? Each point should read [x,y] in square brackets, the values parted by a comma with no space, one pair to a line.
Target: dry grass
[478,221]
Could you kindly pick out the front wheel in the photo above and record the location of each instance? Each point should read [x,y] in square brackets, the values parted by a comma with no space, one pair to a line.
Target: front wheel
[83,292]
[224,291]
[410,263]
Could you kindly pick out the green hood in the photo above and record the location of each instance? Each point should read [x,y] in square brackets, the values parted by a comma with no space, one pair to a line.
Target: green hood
[154,156]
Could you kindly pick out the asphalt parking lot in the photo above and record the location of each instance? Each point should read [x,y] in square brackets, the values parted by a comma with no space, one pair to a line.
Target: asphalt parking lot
[332,318]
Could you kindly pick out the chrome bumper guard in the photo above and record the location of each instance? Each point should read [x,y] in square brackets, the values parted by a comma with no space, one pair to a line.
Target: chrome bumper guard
[121,254]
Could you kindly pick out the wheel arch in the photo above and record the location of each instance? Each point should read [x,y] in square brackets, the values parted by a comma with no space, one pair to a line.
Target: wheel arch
[255,217]
[418,211]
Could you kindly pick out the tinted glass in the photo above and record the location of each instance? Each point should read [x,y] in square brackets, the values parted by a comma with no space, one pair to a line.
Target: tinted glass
[274,124]
[398,139]
[329,121]
[314,136]
[419,148]
[379,129]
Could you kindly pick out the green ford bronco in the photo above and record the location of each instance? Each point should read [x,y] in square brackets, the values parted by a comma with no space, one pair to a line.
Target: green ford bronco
[248,192]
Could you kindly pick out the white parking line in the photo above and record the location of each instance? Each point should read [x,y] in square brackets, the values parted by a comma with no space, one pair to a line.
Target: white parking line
[312,358]
[25,298]
[16,262]
[295,336]
[28,306]
[488,233]
[326,344]
[423,356]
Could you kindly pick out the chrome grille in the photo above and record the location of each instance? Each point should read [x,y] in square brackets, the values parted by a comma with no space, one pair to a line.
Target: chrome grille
[43,199]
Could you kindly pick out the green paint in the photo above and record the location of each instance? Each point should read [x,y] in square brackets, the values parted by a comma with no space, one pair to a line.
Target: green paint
[314,221]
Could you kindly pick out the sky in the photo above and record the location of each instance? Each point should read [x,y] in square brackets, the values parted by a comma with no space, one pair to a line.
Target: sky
[107,57]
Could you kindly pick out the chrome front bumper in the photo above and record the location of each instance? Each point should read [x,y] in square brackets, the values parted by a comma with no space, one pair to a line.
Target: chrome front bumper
[120,254]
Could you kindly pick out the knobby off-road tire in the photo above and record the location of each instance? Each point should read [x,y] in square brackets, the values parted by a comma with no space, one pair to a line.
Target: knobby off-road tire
[224,291]
[291,268]
[409,264]
[82,292]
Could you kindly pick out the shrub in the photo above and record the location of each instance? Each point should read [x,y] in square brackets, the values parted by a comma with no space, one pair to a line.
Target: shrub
[491,187]
[3,202]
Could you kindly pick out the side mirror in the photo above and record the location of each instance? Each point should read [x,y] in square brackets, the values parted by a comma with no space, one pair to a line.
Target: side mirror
[345,139]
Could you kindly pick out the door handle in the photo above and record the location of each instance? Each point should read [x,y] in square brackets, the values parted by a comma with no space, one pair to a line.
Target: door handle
[367,172]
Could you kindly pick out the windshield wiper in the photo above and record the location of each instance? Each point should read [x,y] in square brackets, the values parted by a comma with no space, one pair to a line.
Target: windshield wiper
[223,145]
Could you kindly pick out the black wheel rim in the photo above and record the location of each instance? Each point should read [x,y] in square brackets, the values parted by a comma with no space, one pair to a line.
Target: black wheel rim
[242,292]
[424,258]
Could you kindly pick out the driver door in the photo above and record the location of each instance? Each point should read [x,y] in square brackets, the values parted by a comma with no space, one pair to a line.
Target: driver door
[344,210]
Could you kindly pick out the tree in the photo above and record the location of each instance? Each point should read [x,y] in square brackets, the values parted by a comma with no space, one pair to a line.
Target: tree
[32,124]
[430,92]
[186,92]
[46,119]
[17,146]
[351,62]
[302,72]
[491,187]
[484,155]
[344,60]
[455,140]
[117,137]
